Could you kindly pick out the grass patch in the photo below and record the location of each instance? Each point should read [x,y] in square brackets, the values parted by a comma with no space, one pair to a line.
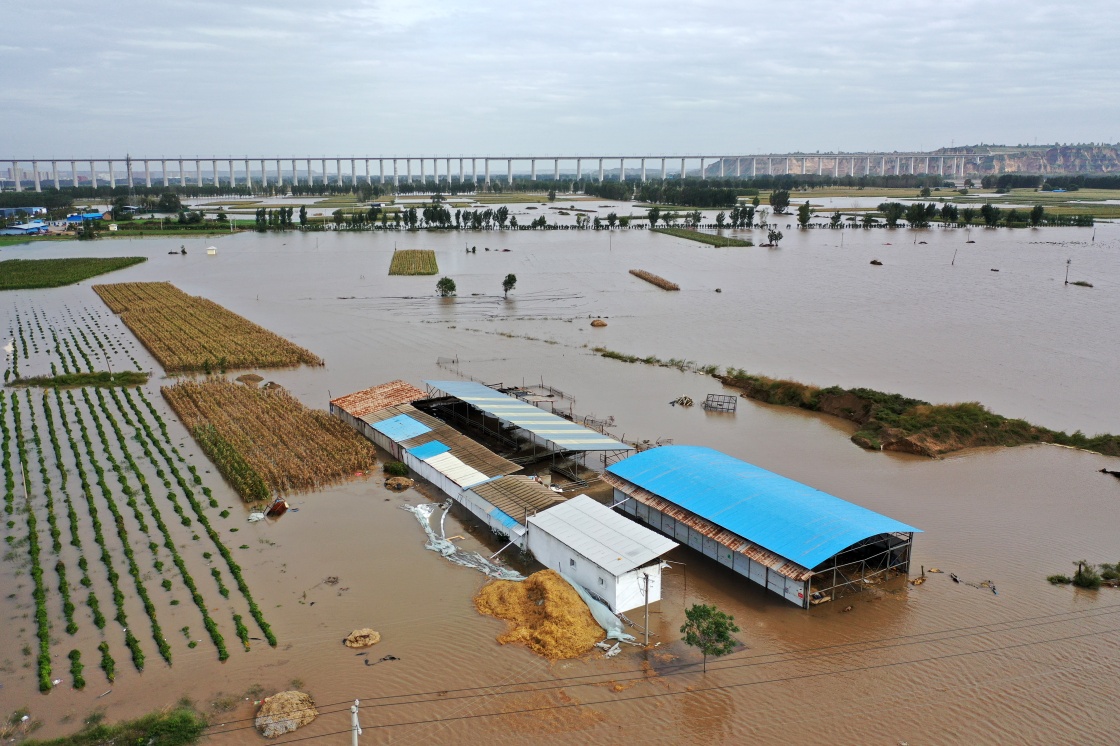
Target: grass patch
[708,238]
[28,274]
[414,262]
[175,727]
[186,333]
[70,380]
[894,422]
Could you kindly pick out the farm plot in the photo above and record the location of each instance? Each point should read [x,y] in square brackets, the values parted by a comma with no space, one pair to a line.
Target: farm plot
[103,512]
[264,441]
[21,274]
[414,262]
[186,333]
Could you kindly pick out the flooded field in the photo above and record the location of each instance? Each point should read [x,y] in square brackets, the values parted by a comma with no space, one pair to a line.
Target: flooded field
[942,662]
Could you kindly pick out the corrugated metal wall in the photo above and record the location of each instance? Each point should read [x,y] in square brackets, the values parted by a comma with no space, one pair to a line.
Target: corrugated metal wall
[792,590]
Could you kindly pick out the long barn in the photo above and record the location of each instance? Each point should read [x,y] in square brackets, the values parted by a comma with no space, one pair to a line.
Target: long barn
[803,544]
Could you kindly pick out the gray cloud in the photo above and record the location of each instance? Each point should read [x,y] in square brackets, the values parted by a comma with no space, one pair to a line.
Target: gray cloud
[444,78]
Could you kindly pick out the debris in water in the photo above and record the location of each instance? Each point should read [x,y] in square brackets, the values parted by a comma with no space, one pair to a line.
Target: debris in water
[362,638]
[877,263]
[934,569]
[684,401]
[994,269]
[1113,473]
[598,323]
[254,517]
[423,513]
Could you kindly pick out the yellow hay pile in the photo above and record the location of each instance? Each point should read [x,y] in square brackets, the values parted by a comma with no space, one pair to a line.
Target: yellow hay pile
[544,613]
[362,638]
[285,712]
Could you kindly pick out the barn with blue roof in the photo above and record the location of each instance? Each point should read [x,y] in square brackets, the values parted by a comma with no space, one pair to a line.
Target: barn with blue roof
[803,544]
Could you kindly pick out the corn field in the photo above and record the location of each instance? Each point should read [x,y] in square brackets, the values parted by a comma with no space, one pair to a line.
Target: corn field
[264,441]
[414,262]
[185,333]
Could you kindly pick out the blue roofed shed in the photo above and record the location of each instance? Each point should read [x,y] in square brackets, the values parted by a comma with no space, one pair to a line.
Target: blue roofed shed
[799,542]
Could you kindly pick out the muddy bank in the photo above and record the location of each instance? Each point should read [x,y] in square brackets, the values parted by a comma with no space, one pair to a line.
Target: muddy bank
[892,422]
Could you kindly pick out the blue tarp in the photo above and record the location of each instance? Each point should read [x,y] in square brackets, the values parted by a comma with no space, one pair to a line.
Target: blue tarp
[797,521]
[401,428]
[429,449]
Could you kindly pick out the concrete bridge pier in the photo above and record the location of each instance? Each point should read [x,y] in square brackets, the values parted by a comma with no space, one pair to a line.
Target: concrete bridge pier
[703,172]
[369,179]
[721,167]
[54,173]
[754,167]
[423,173]
[556,169]
[683,171]
[820,166]
[600,170]
[622,169]
[532,169]
[579,169]
[381,169]
[738,168]
[35,170]
[663,169]
[509,171]
[353,174]
[74,173]
[396,175]
[643,170]
[112,176]
[408,170]
[486,176]
[248,176]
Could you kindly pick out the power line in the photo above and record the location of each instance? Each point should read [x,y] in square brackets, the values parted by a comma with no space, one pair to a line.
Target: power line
[748,662]
[722,687]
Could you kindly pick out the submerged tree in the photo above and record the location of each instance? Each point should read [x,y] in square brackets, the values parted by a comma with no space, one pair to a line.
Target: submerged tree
[779,200]
[773,237]
[710,630]
[445,287]
[804,212]
[509,283]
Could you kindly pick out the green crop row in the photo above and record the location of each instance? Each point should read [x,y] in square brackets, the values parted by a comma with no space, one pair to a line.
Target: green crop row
[169,544]
[200,514]
[133,569]
[39,591]
[114,578]
[76,669]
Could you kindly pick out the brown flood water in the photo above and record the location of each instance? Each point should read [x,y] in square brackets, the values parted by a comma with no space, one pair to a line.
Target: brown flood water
[940,663]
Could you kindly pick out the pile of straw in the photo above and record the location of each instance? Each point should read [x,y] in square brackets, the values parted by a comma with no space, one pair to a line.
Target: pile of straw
[653,279]
[284,713]
[544,613]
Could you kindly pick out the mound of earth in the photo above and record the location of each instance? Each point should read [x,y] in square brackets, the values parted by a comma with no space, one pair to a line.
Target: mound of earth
[284,713]
[362,638]
[598,323]
[398,483]
[544,613]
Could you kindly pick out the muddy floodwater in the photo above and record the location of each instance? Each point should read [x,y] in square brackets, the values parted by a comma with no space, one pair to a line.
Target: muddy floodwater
[938,663]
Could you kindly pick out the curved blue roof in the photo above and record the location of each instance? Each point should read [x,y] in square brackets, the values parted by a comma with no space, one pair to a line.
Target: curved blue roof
[797,521]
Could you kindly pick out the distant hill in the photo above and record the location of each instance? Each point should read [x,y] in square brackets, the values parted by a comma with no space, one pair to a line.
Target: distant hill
[1041,159]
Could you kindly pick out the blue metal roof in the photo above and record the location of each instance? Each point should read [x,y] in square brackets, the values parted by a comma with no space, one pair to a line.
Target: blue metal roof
[559,432]
[429,449]
[797,521]
[400,428]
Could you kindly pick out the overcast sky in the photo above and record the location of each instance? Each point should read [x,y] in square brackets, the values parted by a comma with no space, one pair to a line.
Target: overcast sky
[429,77]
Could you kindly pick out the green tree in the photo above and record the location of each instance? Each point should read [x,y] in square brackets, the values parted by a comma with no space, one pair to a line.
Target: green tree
[1037,215]
[169,202]
[303,215]
[990,213]
[612,218]
[551,195]
[835,219]
[509,283]
[924,194]
[804,212]
[445,287]
[709,629]
[916,215]
[893,212]
[779,200]
[654,215]
[755,202]
[720,217]
[774,237]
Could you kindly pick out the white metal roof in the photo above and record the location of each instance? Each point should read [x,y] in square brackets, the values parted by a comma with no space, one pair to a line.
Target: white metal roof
[455,470]
[611,541]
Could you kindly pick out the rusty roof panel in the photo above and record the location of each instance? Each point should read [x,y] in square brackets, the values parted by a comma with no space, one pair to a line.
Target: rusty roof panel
[378,397]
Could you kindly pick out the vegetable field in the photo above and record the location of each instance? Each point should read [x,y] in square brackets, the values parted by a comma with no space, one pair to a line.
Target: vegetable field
[25,274]
[264,441]
[414,262]
[107,515]
[185,333]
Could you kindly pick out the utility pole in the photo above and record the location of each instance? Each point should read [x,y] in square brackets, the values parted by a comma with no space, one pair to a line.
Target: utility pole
[1068,262]
[355,729]
[646,576]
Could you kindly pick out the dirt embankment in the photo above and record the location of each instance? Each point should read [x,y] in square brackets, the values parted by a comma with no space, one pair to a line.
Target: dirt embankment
[892,422]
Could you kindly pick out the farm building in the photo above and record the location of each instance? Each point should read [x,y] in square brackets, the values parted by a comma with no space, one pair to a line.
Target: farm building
[505,504]
[612,557]
[353,407]
[803,544]
[31,228]
[535,434]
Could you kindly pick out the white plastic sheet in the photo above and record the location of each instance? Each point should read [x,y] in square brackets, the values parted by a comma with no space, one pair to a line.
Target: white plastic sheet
[440,544]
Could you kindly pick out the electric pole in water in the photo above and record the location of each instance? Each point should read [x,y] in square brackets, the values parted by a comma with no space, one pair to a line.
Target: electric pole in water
[355,729]
[646,576]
